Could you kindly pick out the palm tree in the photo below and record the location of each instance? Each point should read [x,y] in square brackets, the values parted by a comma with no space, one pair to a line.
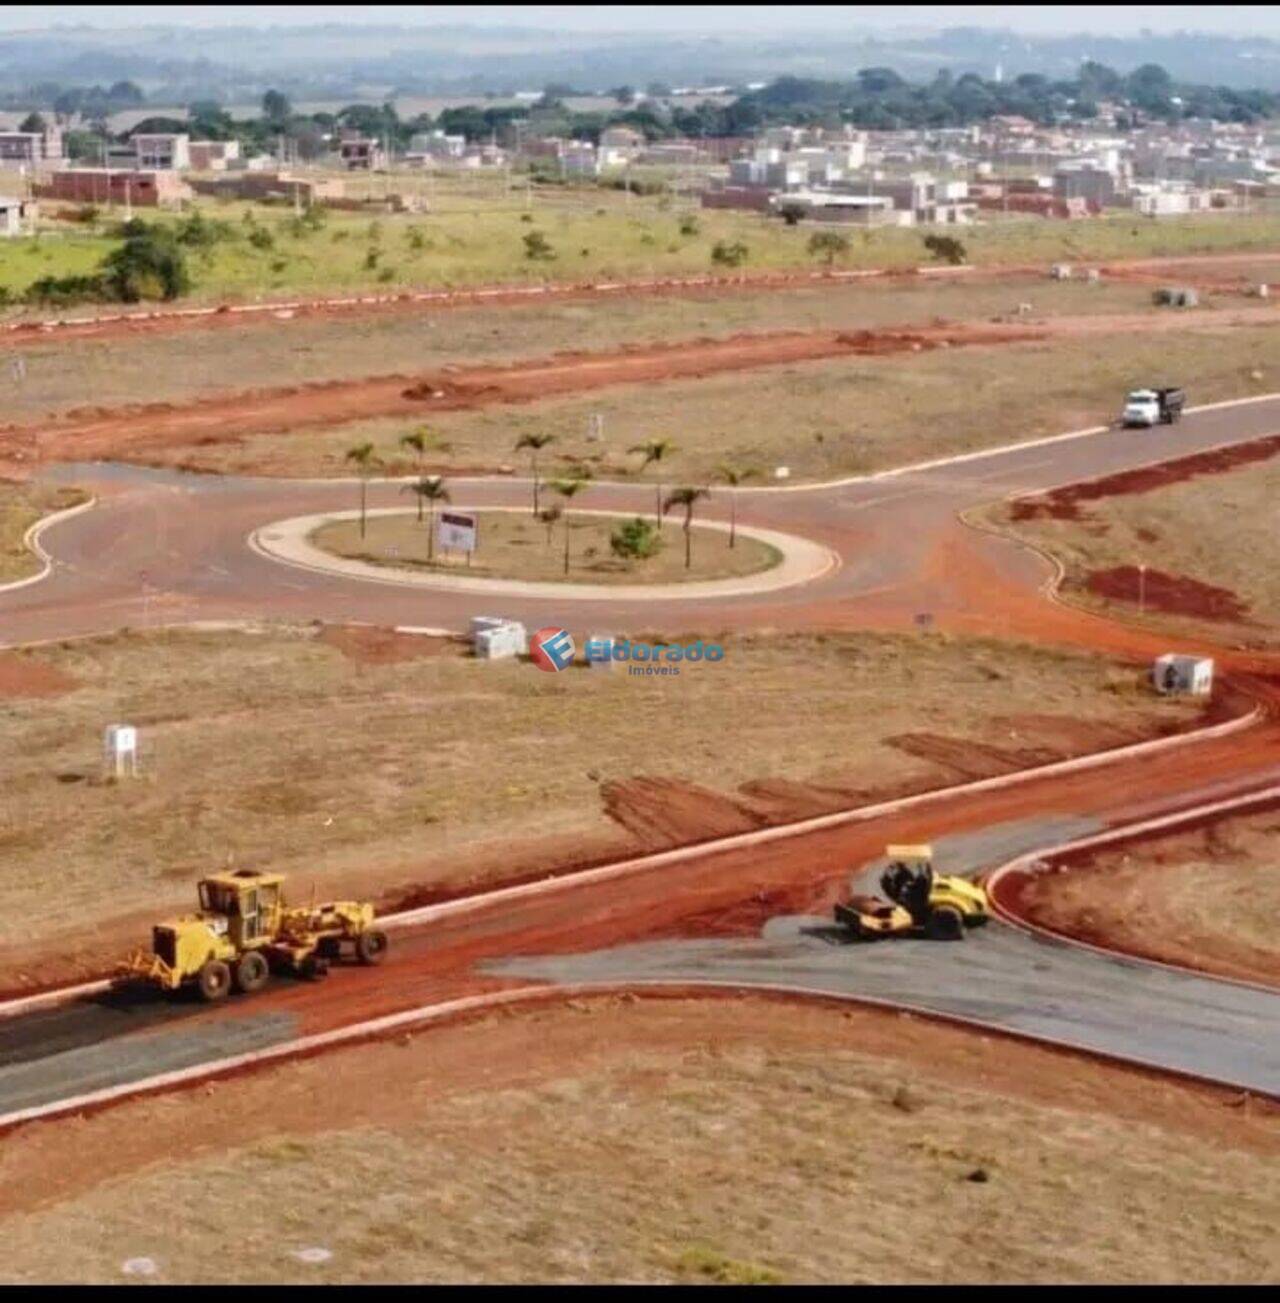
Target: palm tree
[653,451]
[417,441]
[687,498]
[549,516]
[535,443]
[734,476]
[431,490]
[366,462]
[569,489]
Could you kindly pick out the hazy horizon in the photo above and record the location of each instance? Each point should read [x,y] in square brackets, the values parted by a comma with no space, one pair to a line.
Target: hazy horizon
[657,20]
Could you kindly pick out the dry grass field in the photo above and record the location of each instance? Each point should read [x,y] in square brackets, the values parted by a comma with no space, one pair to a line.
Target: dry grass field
[514,545]
[184,365]
[738,1141]
[21,505]
[820,419]
[1208,898]
[373,762]
[1221,529]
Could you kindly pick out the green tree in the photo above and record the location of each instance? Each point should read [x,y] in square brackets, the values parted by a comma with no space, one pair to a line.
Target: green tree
[431,490]
[568,489]
[828,245]
[276,107]
[535,444]
[734,476]
[366,461]
[150,264]
[653,451]
[416,442]
[687,498]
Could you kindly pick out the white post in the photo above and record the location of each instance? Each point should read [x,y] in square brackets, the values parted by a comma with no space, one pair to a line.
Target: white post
[1142,588]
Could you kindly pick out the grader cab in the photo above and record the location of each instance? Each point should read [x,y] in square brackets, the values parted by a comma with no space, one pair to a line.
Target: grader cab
[243,930]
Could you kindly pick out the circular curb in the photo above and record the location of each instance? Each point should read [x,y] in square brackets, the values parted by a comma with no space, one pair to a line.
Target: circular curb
[803,561]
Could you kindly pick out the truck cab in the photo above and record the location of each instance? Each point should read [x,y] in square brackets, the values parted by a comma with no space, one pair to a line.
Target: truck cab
[1149,407]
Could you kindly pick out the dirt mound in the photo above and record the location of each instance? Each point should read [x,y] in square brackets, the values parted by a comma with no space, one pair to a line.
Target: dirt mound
[1064,503]
[663,812]
[1172,594]
[376,646]
[21,677]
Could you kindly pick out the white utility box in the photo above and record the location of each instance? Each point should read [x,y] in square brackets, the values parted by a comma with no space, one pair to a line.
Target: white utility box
[1173,673]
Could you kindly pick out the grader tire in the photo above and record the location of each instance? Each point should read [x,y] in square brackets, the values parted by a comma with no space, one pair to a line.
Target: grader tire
[371,946]
[252,972]
[214,981]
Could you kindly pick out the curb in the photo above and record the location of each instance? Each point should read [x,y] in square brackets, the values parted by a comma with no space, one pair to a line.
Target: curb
[293,548]
[737,841]
[1023,863]
[31,541]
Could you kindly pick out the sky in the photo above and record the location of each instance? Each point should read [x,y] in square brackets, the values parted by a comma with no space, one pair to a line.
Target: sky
[1241,20]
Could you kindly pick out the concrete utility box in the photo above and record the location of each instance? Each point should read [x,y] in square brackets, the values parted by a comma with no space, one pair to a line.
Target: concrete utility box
[120,749]
[1060,271]
[493,637]
[1174,674]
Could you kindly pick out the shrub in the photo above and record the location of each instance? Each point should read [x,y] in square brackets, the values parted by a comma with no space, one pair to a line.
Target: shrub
[150,264]
[690,225]
[636,540]
[261,238]
[725,254]
[946,248]
[537,247]
[60,291]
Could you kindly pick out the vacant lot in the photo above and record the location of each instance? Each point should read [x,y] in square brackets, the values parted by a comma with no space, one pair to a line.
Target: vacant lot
[1218,531]
[21,505]
[820,419]
[587,233]
[374,760]
[184,365]
[517,546]
[660,1141]
[1208,898]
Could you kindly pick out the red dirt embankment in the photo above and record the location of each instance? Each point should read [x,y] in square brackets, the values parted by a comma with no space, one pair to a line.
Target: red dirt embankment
[1064,503]
[1173,594]
[104,432]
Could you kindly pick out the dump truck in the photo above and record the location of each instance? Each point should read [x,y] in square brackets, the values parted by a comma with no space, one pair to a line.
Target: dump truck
[244,930]
[919,901]
[1153,407]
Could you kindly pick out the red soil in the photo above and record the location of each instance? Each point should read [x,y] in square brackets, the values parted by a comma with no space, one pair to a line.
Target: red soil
[1172,594]
[1064,503]
[20,677]
[370,645]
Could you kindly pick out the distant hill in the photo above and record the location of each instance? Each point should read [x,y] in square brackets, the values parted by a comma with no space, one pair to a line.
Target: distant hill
[175,65]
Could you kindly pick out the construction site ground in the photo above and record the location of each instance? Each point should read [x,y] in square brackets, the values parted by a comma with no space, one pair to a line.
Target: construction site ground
[1208,898]
[820,403]
[238,761]
[1204,528]
[382,762]
[674,1140]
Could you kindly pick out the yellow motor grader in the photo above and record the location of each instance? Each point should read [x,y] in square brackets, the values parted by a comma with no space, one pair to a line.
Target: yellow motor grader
[244,929]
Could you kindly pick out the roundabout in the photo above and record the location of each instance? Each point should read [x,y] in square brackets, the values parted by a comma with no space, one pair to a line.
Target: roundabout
[767,559]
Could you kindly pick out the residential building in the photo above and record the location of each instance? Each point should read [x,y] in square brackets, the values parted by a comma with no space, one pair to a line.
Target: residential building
[162,152]
[30,149]
[130,188]
[17,216]
[213,155]
[360,153]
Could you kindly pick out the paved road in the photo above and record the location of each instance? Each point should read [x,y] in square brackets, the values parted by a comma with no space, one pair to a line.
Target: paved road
[903,552]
